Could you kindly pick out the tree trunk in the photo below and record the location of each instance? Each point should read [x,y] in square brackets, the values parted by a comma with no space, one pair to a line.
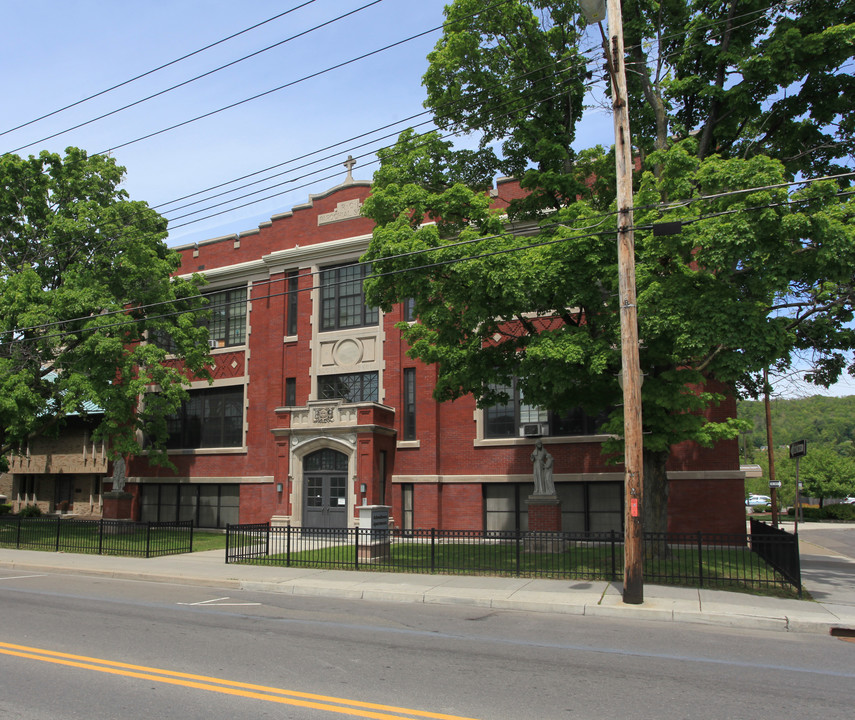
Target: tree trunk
[655,513]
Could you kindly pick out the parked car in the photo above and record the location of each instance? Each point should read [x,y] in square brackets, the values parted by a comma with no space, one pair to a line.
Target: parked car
[849,500]
[755,500]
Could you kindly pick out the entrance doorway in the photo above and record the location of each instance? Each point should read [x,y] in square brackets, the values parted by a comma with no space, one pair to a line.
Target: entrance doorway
[64,495]
[325,478]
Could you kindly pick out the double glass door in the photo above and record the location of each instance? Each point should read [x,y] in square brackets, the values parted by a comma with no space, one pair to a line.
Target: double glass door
[325,477]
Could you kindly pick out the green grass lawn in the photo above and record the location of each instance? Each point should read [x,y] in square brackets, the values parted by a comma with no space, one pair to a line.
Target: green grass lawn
[85,537]
[681,567]
[208,541]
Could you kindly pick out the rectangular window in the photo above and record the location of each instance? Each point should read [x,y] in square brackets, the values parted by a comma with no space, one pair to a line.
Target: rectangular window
[409,404]
[410,309]
[291,304]
[585,506]
[342,298]
[227,321]
[407,506]
[208,418]
[353,387]
[516,418]
[207,505]
[290,392]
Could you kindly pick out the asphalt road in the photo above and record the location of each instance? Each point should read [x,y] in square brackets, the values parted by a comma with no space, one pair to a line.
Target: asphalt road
[83,647]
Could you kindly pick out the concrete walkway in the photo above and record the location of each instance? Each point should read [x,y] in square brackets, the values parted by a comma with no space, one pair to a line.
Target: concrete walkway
[828,570]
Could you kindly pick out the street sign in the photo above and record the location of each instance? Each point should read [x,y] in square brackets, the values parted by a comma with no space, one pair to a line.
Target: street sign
[774,483]
[798,449]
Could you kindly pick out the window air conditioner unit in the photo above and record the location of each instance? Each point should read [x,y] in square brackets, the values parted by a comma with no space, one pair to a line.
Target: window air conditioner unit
[534,429]
[212,344]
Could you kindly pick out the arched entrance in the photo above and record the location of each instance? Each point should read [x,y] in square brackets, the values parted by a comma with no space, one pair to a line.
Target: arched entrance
[325,489]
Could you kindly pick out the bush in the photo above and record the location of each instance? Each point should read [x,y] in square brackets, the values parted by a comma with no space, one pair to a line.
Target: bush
[30,511]
[5,509]
[829,512]
[840,512]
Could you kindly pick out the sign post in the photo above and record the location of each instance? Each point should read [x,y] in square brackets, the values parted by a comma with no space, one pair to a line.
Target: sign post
[798,450]
[773,487]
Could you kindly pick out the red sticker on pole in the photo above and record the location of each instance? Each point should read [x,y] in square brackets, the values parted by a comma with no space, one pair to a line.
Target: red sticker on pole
[633,507]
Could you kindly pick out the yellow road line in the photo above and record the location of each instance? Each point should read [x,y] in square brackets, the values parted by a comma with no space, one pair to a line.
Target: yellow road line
[228,687]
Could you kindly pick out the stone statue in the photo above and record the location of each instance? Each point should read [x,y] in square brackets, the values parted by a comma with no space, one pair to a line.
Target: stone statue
[119,474]
[542,466]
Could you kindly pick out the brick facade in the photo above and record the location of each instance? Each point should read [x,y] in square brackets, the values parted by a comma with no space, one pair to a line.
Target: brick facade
[454,475]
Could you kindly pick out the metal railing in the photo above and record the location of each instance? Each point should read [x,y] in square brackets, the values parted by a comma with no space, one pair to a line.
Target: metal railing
[104,537]
[695,559]
[779,549]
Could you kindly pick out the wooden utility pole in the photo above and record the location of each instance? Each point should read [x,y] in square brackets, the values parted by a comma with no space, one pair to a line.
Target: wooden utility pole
[770,447]
[633,582]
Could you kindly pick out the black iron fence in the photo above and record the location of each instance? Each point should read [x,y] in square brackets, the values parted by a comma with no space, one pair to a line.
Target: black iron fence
[695,559]
[779,549]
[104,537]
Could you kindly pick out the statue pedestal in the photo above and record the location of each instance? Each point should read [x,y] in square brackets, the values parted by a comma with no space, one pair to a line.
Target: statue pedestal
[544,513]
[117,505]
[544,519]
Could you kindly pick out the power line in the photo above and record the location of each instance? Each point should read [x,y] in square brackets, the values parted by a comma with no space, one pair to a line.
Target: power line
[424,251]
[193,79]
[153,70]
[268,197]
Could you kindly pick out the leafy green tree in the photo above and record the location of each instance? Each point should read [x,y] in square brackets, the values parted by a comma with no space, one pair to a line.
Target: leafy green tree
[828,421]
[826,474]
[84,276]
[751,277]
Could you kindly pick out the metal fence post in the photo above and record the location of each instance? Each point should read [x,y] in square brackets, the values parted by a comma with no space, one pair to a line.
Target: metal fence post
[228,538]
[148,539]
[356,550]
[519,552]
[288,547]
[613,543]
[58,531]
[700,560]
[18,534]
[797,561]
[100,536]
[433,549]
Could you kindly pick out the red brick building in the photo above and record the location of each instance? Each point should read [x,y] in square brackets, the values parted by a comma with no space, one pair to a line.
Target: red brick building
[315,408]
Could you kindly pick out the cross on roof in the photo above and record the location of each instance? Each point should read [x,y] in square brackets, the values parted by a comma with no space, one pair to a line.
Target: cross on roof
[349,163]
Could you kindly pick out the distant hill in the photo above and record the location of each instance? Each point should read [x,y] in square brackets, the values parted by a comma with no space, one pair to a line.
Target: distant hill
[820,420]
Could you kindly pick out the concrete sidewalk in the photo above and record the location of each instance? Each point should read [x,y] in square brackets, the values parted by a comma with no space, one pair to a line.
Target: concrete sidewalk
[829,577]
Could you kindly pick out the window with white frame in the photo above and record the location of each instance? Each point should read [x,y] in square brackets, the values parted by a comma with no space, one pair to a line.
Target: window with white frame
[518,418]
[209,418]
[350,387]
[343,300]
[227,321]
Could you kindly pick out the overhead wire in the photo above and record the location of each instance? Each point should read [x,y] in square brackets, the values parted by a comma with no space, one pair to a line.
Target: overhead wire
[447,246]
[155,69]
[275,89]
[268,197]
[194,79]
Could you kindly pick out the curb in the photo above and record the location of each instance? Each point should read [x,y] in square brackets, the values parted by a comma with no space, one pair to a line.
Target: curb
[657,609]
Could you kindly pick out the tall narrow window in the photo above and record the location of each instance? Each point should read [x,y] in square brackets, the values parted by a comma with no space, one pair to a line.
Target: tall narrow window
[291,305]
[410,309]
[409,404]
[290,392]
[342,298]
[227,321]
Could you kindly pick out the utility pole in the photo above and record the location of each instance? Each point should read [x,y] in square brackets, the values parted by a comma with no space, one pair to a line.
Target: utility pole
[770,447]
[633,579]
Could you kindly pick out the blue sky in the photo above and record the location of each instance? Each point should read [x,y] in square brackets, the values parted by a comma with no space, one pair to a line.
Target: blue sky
[58,52]
[62,52]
